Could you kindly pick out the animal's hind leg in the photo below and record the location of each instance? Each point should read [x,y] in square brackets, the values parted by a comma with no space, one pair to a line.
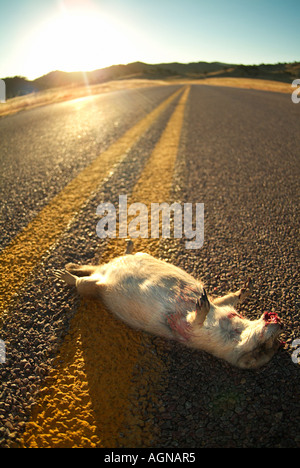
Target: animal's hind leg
[66,276]
[80,270]
[89,287]
[85,286]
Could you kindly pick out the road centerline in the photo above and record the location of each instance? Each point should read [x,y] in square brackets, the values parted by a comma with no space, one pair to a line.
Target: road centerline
[99,354]
[27,249]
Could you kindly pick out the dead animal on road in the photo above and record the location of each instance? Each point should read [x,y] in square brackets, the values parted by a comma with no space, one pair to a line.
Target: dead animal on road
[160,298]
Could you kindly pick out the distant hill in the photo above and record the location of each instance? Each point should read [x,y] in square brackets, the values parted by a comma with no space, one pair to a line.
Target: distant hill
[286,72]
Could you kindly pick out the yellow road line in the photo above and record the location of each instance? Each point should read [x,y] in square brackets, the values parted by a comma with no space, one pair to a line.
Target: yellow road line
[85,401]
[153,186]
[160,165]
[28,247]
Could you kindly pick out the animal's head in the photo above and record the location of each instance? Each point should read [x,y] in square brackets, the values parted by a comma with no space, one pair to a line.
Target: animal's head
[225,333]
[260,341]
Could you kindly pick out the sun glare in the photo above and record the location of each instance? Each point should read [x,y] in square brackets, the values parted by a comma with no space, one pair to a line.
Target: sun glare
[79,40]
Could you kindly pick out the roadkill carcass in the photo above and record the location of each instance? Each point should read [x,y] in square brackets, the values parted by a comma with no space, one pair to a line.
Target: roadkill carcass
[160,298]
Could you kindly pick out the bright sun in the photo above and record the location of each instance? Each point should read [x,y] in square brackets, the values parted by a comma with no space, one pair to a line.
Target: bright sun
[77,40]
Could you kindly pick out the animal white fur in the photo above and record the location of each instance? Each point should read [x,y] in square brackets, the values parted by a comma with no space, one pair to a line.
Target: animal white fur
[162,299]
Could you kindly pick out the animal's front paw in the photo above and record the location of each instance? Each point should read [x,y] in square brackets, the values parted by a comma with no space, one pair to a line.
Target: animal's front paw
[202,307]
[246,290]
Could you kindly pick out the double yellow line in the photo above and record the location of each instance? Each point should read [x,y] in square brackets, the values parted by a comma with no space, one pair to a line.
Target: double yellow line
[85,402]
[27,249]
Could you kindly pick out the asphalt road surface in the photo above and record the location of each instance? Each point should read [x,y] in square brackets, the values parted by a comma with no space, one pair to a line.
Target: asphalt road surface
[74,376]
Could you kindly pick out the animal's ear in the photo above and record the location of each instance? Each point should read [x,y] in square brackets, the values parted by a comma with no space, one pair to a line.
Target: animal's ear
[248,360]
[202,307]
[259,356]
[255,358]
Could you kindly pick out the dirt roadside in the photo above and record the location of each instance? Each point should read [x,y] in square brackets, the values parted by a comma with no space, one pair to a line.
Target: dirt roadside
[55,95]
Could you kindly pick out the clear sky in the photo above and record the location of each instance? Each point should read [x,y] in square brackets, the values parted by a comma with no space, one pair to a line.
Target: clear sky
[38,36]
